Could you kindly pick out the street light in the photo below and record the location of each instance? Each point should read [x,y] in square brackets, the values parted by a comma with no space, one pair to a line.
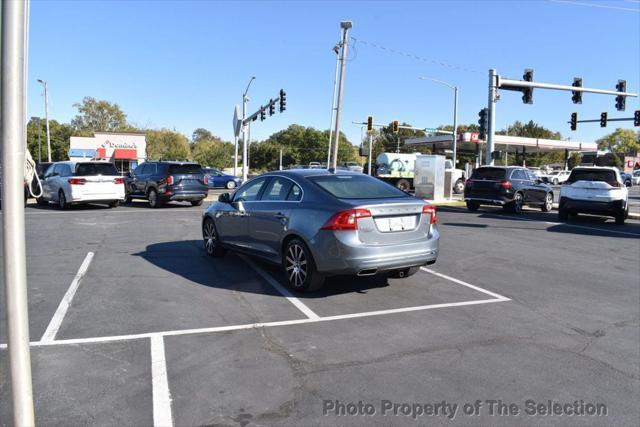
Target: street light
[455,120]
[245,99]
[46,115]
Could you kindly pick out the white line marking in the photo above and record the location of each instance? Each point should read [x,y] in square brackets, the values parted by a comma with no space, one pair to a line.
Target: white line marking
[56,321]
[160,383]
[468,285]
[285,293]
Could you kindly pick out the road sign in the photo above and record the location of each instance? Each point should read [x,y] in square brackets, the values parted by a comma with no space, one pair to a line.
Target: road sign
[237,123]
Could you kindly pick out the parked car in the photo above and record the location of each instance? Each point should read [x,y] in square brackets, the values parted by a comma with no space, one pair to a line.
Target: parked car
[315,224]
[160,182]
[627,178]
[594,190]
[353,167]
[315,165]
[510,187]
[635,178]
[71,183]
[558,177]
[218,179]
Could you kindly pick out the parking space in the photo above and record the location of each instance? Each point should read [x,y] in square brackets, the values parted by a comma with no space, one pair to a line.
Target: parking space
[516,308]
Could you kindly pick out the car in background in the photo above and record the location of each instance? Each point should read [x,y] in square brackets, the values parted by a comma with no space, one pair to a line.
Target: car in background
[317,223]
[635,177]
[160,182]
[218,179]
[353,167]
[41,168]
[511,187]
[627,178]
[79,182]
[315,165]
[558,177]
[594,190]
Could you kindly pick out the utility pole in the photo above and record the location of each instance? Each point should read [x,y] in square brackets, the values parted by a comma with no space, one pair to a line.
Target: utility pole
[345,25]
[491,104]
[13,27]
[46,115]
[336,49]
[370,152]
[455,127]
[245,151]
[39,141]
[281,159]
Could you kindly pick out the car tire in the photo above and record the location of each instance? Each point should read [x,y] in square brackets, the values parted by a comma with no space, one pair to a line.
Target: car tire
[473,206]
[458,188]
[114,204]
[210,239]
[152,197]
[62,200]
[299,267]
[403,273]
[403,185]
[548,203]
[516,206]
[196,202]
[230,185]
[563,214]
[627,183]
[41,201]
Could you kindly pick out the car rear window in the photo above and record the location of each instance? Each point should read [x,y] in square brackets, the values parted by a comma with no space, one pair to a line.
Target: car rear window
[188,169]
[356,187]
[89,169]
[592,175]
[489,174]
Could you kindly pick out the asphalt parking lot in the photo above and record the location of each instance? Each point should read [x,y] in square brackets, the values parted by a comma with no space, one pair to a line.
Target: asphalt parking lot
[517,309]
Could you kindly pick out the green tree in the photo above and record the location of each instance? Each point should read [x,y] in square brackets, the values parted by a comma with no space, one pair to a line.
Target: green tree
[99,116]
[624,141]
[60,134]
[213,153]
[202,134]
[389,140]
[165,144]
[529,130]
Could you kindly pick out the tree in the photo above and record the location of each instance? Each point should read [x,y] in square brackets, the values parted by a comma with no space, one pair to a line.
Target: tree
[213,153]
[99,116]
[202,134]
[165,144]
[530,130]
[624,141]
[389,140]
[60,134]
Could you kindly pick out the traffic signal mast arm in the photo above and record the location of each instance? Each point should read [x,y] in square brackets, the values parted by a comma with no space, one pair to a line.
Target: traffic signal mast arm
[426,130]
[272,102]
[509,84]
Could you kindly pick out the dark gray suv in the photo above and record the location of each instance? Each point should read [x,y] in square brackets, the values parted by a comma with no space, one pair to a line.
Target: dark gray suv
[160,182]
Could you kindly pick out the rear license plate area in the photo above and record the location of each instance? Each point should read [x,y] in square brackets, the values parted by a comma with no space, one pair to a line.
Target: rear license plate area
[392,224]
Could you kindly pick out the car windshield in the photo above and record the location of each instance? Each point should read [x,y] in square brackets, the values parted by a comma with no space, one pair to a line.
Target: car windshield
[604,175]
[489,174]
[187,169]
[89,169]
[356,187]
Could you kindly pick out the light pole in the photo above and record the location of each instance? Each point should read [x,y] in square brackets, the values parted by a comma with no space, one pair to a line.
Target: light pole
[46,115]
[455,121]
[336,49]
[245,99]
[345,25]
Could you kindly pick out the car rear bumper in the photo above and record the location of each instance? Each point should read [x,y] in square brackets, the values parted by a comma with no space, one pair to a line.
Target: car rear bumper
[592,206]
[339,255]
[185,196]
[96,198]
[497,201]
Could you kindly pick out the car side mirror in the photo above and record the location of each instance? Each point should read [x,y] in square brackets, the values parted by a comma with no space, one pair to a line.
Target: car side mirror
[224,198]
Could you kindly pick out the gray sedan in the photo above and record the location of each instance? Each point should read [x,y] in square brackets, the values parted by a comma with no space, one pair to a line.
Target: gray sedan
[316,224]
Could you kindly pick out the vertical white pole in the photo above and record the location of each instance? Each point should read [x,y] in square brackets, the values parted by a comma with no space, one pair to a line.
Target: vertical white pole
[455,137]
[235,155]
[493,91]
[345,25]
[333,109]
[13,27]
[46,115]
[370,152]
[244,139]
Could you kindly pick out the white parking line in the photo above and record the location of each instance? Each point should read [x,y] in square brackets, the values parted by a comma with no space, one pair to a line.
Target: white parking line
[160,384]
[285,293]
[468,285]
[56,321]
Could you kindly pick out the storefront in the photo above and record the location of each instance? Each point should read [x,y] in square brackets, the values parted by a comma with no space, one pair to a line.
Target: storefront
[125,149]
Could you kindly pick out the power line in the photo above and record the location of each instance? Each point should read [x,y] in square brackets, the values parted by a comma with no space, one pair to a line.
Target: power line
[602,6]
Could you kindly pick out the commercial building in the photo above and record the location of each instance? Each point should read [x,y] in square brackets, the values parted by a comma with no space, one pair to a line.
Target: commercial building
[125,149]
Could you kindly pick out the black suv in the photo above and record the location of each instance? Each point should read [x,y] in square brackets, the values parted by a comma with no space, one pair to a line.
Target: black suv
[161,182]
[510,187]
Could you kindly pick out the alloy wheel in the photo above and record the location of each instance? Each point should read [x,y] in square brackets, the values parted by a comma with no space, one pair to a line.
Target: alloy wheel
[296,266]
[549,202]
[231,185]
[153,199]
[517,203]
[62,200]
[210,237]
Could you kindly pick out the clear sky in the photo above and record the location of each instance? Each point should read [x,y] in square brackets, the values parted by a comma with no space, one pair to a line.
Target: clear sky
[185,65]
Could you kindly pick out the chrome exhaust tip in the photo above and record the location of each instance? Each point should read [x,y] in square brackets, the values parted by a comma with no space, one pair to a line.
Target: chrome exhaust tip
[368,272]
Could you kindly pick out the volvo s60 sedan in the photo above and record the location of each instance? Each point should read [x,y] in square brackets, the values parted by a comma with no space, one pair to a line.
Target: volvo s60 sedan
[316,223]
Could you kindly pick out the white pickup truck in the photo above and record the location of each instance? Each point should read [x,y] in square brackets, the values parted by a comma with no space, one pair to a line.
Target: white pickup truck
[397,169]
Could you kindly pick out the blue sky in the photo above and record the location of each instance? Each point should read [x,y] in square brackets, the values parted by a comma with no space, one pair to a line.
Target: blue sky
[184,65]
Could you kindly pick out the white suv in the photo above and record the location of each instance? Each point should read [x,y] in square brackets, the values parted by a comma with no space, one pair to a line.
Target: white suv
[594,190]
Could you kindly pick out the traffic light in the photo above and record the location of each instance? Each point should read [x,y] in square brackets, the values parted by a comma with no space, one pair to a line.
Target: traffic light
[484,123]
[527,92]
[621,100]
[395,126]
[283,100]
[574,121]
[272,107]
[576,97]
[603,120]
[369,123]
[263,114]
[636,118]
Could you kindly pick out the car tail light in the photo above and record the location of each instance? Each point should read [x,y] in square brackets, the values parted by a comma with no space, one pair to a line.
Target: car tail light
[430,210]
[119,180]
[169,180]
[206,180]
[346,220]
[77,181]
[614,184]
[505,184]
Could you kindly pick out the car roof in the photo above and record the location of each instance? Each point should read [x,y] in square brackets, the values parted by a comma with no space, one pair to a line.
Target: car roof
[302,173]
[172,162]
[609,168]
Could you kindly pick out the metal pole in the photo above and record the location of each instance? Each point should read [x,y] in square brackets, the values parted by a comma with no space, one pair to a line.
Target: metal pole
[14,23]
[244,139]
[493,91]
[455,135]
[281,159]
[333,105]
[370,152]
[39,141]
[46,115]
[248,147]
[235,157]
[345,25]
